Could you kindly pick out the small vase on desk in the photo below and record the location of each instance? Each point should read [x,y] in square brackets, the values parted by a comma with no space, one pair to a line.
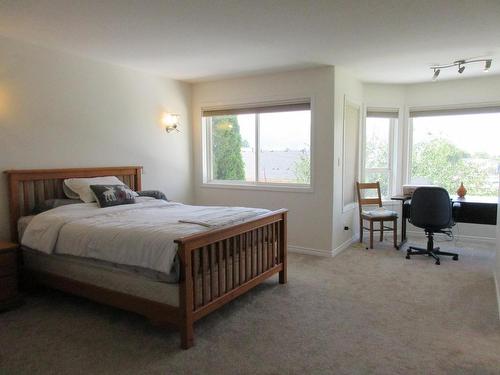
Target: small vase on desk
[461,190]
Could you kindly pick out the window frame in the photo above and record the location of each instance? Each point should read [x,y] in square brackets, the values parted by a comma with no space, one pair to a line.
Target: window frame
[444,110]
[209,182]
[390,170]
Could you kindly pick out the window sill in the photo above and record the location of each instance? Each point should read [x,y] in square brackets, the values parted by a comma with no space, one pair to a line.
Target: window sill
[259,187]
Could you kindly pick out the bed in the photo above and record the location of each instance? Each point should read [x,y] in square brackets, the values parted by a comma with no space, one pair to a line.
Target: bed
[214,266]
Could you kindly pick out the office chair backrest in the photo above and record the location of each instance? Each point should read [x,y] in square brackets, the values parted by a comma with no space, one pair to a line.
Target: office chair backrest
[360,186]
[431,208]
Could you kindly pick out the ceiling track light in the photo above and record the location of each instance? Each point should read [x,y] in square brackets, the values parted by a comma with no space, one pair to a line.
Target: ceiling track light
[487,66]
[436,74]
[461,66]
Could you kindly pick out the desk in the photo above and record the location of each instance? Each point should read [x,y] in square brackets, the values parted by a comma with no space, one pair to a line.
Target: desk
[403,199]
[472,210]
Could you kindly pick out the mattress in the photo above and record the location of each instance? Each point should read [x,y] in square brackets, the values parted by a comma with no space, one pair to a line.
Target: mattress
[139,235]
[172,277]
[22,224]
[102,275]
[133,283]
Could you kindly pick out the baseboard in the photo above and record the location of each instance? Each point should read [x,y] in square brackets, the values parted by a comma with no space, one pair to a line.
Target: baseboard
[323,253]
[488,240]
[497,288]
[309,251]
[460,237]
[344,245]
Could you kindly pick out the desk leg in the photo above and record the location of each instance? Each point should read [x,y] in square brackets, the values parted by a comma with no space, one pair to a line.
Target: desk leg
[403,225]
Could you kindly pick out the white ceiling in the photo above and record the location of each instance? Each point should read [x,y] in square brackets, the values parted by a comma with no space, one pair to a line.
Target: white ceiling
[378,40]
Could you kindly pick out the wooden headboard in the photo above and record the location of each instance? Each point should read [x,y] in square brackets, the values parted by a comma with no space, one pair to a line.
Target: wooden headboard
[28,187]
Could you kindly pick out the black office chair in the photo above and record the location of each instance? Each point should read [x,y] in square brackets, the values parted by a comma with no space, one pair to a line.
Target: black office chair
[431,209]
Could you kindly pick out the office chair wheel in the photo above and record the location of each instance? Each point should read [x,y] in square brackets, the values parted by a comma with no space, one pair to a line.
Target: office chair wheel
[408,256]
[455,257]
[438,262]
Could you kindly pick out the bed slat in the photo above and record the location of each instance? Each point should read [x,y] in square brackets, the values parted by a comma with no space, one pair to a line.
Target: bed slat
[233,265]
[213,281]
[26,197]
[204,267]
[248,257]
[278,244]
[195,272]
[240,257]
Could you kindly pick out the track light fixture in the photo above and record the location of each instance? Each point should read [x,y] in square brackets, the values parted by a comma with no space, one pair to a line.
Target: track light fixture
[461,66]
[436,74]
[487,65]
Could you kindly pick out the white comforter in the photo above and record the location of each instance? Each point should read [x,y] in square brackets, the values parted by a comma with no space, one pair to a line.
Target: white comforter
[139,234]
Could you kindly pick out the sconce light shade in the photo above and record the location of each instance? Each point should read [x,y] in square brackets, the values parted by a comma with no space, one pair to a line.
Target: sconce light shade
[170,121]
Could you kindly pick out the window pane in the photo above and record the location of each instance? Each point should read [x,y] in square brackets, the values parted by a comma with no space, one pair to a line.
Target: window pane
[285,141]
[233,147]
[448,150]
[383,178]
[377,142]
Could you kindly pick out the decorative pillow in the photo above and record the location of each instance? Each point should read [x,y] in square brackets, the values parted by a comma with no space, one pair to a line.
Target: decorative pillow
[81,186]
[112,195]
[153,194]
[53,203]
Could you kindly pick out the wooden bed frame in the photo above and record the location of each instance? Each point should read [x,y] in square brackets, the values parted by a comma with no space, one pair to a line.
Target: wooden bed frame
[216,266]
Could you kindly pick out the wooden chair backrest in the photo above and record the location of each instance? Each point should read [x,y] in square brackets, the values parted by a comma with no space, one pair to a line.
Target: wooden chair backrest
[360,186]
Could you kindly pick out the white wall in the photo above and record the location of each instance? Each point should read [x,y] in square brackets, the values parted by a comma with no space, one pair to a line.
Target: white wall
[460,91]
[497,269]
[310,218]
[346,86]
[60,110]
[440,93]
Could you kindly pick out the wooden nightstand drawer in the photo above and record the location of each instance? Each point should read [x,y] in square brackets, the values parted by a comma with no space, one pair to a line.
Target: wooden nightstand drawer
[8,264]
[9,293]
[8,287]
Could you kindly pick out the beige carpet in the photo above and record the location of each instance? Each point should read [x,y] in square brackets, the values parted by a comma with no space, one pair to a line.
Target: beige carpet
[362,312]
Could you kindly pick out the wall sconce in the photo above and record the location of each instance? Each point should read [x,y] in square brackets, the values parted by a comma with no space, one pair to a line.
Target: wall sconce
[170,121]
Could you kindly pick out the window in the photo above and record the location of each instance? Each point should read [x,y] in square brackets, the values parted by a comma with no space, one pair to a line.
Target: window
[453,146]
[378,148]
[265,145]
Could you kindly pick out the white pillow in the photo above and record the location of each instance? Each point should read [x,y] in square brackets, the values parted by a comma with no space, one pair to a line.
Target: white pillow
[68,192]
[81,186]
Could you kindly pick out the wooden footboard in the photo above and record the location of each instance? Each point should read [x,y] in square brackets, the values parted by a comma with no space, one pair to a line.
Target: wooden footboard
[222,264]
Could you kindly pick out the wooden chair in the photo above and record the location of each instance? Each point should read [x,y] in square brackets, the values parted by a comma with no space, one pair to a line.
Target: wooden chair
[376,215]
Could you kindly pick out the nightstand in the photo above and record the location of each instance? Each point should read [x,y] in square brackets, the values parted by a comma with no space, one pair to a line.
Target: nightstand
[9,292]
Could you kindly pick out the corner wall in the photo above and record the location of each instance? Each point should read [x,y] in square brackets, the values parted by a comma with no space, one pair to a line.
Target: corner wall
[310,218]
[440,93]
[497,269]
[346,86]
[59,110]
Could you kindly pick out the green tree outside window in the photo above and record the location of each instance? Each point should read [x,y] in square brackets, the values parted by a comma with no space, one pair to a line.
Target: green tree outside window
[226,149]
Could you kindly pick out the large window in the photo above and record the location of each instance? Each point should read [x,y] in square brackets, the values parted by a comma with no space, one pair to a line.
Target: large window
[265,145]
[454,146]
[378,148]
